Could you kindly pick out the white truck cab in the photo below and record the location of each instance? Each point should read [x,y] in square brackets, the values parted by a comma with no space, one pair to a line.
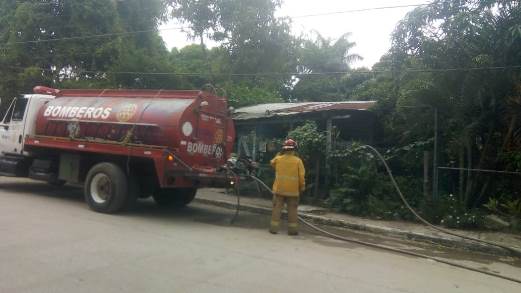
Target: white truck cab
[18,122]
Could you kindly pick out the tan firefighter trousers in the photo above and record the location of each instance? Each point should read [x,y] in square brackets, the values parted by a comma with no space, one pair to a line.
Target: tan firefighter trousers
[278,205]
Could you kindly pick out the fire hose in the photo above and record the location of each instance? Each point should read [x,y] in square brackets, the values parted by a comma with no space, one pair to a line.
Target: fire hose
[396,250]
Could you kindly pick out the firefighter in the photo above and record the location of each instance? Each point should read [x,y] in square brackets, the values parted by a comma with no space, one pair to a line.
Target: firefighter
[289,184]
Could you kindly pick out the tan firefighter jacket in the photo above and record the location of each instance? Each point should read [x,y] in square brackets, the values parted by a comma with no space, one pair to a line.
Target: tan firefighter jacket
[289,175]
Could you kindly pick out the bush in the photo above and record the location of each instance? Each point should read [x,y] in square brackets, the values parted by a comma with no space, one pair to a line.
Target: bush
[363,189]
[455,215]
[311,141]
[508,208]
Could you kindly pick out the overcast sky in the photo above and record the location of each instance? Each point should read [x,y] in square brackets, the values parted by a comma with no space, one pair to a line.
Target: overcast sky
[370,30]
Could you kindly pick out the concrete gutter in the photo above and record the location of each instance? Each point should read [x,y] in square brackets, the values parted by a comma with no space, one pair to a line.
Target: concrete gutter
[445,240]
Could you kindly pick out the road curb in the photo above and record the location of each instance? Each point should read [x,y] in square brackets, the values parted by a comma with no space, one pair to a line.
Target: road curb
[415,236]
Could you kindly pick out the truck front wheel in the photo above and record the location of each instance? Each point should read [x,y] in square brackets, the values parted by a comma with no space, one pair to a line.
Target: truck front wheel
[107,189]
[176,197]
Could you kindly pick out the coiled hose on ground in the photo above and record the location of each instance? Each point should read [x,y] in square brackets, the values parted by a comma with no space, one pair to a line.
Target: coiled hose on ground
[420,218]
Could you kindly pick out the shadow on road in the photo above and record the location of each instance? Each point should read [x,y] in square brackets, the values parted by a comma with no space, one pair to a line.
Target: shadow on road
[43,189]
[145,208]
[195,212]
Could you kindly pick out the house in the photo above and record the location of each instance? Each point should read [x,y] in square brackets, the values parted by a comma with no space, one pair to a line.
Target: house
[261,128]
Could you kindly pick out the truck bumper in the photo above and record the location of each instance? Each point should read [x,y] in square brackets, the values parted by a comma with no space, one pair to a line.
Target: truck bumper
[197,179]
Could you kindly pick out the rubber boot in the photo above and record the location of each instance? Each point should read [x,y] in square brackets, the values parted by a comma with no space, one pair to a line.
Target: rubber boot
[278,204]
[274,227]
[292,215]
[292,229]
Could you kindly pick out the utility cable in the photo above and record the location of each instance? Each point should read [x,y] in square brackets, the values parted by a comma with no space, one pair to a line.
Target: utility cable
[338,237]
[359,10]
[279,74]
[237,194]
[404,200]
[396,250]
[406,203]
[94,36]
[113,34]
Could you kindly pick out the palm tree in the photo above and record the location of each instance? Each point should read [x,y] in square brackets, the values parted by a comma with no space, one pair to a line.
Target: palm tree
[322,54]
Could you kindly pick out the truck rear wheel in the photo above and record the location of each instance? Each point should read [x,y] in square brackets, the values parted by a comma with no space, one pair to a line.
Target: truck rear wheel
[108,190]
[176,197]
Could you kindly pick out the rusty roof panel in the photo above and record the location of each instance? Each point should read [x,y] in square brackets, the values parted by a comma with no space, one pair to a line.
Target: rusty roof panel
[285,109]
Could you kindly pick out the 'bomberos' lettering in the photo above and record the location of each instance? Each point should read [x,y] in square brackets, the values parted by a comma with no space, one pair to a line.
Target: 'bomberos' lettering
[77,112]
[205,149]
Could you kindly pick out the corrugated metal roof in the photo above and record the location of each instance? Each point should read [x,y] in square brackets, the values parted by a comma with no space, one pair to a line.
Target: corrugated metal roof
[285,109]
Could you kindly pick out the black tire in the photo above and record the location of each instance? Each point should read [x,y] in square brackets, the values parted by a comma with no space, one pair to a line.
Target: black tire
[107,189]
[176,197]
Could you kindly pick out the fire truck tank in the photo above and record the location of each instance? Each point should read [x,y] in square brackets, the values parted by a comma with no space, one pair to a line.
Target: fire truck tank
[194,124]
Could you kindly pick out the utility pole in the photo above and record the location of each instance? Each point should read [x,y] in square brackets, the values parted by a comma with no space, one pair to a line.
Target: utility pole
[435,158]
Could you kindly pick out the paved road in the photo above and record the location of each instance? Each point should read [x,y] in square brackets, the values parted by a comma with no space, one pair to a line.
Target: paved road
[51,242]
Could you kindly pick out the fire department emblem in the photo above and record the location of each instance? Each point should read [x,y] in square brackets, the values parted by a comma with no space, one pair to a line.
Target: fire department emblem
[219,136]
[127,112]
[73,129]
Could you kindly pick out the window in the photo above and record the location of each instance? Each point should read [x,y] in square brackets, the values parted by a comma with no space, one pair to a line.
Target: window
[9,113]
[19,109]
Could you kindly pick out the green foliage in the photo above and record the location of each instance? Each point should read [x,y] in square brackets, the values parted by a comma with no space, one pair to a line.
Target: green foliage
[27,59]
[364,189]
[311,141]
[255,41]
[241,94]
[478,109]
[320,55]
[455,215]
[513,160]
[504,206]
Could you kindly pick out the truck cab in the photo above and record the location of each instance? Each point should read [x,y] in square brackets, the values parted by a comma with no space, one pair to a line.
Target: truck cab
[17,123]
[119,144]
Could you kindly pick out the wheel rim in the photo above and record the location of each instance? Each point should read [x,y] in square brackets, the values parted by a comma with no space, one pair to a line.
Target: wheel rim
[101,188]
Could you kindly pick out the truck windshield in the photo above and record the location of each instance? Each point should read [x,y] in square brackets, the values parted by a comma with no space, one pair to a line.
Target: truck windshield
[19,109]
[9,112]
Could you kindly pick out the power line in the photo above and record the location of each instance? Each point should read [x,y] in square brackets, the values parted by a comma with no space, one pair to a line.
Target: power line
[97,36]
[181,28]
[298,74]
[260,74]
[33,3]
[480,170]
[359,10]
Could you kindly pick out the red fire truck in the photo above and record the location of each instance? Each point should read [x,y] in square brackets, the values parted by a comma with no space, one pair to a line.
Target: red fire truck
[120,144]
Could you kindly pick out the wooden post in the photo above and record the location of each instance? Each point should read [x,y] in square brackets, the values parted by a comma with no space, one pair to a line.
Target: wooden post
[239,146]
[254,147]
[426,184]
[435,158]
[329,140]
[461,163]
[317,177]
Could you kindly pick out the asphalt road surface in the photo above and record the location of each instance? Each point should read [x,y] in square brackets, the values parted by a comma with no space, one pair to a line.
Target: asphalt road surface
[51,242]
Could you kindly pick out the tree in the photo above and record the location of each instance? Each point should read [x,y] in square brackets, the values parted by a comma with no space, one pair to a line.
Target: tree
[44,44]
[28,25]
[321,55]
[254,41]
[471,38]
